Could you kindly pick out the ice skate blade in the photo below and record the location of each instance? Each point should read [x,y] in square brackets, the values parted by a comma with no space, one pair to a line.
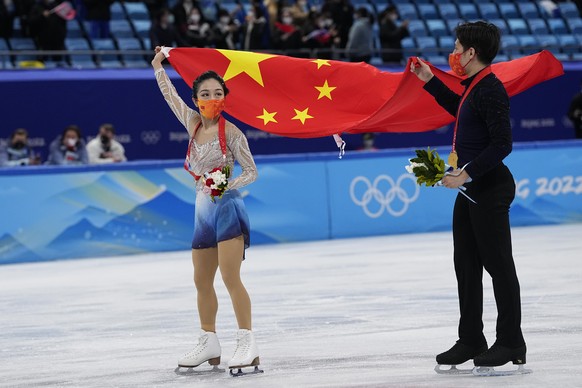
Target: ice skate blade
[490,371]
[190,370]
[240,372]
[452,370]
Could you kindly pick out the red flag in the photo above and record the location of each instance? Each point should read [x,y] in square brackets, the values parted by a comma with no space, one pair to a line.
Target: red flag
[306,98]
[65,10]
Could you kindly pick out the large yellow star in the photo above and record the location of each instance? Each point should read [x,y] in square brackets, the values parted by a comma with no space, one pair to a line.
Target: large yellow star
[302,115]
[244,62]
[267,117]
[321,62]
[325,90]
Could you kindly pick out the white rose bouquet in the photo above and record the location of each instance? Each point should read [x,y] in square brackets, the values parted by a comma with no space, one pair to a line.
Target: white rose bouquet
[216,182]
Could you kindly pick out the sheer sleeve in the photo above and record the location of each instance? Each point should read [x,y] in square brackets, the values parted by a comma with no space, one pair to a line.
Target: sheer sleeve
[187,116]
[239,146]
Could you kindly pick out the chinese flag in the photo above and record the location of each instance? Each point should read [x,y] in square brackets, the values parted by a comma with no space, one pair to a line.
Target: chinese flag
[306,98]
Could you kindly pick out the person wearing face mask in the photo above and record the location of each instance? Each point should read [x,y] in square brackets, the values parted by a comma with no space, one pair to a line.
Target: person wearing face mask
[481,231]
[391,35]
[162,31]
[287,35]
[199,33]
[575,113]
[181,11]
[68,148]
[225,31]
[221,225]
[104,148]
[253,30]
[17,152]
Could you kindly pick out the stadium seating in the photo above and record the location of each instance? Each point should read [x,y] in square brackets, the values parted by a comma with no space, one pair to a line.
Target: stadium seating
[437,28]
[568,9]
[508,10]
[117,11]
[526,27]
[74,29]
[107,61]
[79,61]
[137,11]
[22,44]
[131,60]
[468,11]
[142,28]
[488,11]
[121,29]
[537,26]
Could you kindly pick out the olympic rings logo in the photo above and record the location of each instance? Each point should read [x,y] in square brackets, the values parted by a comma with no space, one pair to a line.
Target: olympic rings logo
[151,137]
[384,199]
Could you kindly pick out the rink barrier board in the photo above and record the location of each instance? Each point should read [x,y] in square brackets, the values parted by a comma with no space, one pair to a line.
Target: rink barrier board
[50,213]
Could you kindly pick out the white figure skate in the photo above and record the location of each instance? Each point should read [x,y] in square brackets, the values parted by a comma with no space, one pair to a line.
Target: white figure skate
[245,355]
[207,349]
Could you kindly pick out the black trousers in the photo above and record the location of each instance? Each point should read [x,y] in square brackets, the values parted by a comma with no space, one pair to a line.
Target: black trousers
[482,239]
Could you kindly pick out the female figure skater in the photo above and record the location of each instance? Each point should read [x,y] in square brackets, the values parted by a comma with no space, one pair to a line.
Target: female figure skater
[221,227]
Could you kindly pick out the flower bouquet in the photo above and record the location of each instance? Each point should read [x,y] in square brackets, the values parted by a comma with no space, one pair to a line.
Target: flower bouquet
[216,182]
[429,168]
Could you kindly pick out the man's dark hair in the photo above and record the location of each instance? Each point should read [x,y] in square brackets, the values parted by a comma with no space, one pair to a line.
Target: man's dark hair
[482,36]
[19,131]
[108,127]
[210,74]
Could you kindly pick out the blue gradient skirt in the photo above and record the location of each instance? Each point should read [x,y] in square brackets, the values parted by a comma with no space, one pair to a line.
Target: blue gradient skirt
[219,221]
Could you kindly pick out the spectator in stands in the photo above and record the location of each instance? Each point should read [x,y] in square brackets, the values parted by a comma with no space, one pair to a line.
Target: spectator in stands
[287,35]
[319,34]
[253,29]
[154,6]
[360,37]
[163,33]
[575,113]
[7,13]
[68,148]
[209,9]
[391,35]
[300,12]
[225,31]
[17,152]
[198,32]
[181,11]
[98,14]
[342,14]
[23,9]
[104,148]
[47,28]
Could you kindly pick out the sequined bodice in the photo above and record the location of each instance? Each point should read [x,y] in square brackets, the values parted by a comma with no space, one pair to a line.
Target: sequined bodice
[207,156]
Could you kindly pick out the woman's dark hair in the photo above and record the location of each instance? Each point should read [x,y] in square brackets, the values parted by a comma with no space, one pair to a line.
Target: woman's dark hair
[73,128]
[482,36]
[210,74]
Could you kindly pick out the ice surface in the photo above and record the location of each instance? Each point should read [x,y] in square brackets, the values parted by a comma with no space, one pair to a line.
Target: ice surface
[368,312]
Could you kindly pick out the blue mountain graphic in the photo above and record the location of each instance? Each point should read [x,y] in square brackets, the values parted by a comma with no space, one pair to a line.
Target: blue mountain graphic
[12,251]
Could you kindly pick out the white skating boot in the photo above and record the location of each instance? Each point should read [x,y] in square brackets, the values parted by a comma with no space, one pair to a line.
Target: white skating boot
[207,349]
[246,353]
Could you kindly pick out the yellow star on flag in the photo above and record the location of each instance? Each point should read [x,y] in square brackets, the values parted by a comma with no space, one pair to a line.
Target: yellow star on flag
[321,62]
[302,115]
[267,117]
[244,62]
[325,90]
